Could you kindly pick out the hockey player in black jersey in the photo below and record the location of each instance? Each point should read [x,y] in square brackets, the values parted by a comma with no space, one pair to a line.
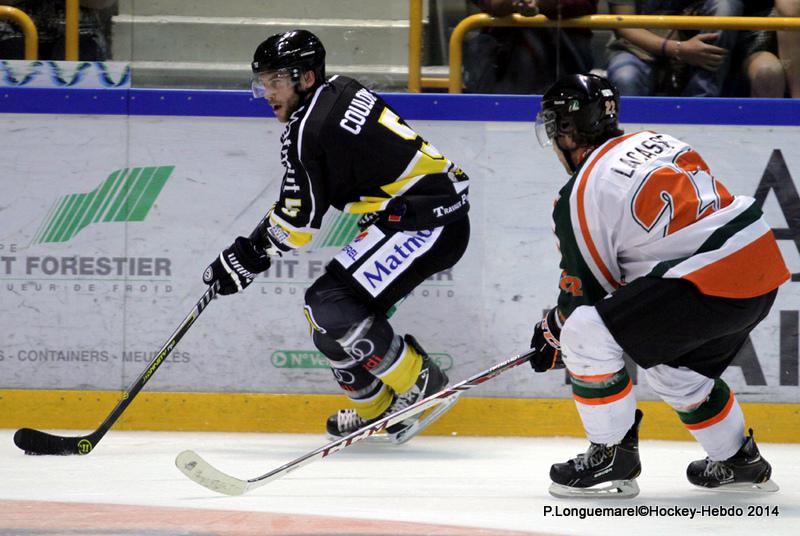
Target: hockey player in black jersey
[344,147]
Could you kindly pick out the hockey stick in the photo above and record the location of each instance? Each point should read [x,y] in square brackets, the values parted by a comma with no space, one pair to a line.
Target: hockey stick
[197,469]
[38,442]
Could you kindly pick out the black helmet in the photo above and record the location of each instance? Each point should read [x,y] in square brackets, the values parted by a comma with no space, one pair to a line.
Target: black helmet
[297,51]
[585,106]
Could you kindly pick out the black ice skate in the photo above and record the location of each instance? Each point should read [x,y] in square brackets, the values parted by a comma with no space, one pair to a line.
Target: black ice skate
[344,422]
[744,471]
[605,471]
[431,380]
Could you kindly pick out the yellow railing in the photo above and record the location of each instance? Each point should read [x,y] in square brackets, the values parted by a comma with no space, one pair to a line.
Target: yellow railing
[415,79]
[28,30]
[606,21]
[71,34]
[454,82]
[414,45]
[32,35]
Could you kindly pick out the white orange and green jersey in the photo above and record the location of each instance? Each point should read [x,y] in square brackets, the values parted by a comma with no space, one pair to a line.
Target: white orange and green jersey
[646,205]
[347,148]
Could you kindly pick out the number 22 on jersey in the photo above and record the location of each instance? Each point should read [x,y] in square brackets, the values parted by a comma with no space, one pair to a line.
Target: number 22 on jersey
[684,192]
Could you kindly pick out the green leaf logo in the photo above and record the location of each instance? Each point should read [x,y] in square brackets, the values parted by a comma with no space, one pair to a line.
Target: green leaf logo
[126,195]
[341,232]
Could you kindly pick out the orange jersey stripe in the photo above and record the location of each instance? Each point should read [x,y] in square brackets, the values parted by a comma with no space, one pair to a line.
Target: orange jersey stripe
[716,418]
[595,378]
[587,237]
[606,399]
[752,271]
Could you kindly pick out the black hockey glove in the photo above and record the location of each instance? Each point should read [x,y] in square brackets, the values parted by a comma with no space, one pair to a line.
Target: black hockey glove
[236,266]
[545,342]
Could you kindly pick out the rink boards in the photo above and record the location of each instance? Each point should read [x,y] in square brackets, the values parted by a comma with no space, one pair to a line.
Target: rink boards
[114,201]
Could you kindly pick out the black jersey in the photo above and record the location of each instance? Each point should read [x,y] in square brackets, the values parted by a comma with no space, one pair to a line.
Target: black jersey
[346,148]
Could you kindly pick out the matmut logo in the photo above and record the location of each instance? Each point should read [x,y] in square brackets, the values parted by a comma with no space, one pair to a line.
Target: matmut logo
[126,195]
[393,258]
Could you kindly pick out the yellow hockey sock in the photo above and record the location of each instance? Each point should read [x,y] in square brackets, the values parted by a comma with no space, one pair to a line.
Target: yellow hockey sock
[404,371]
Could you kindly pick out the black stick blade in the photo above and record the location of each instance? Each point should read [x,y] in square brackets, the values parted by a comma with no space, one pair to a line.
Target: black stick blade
[35,442]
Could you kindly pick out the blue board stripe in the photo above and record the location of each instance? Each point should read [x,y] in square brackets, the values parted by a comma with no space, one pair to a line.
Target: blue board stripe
[204,103]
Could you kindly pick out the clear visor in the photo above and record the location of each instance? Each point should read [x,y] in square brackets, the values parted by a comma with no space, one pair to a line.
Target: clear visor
[270,82]
[546,127]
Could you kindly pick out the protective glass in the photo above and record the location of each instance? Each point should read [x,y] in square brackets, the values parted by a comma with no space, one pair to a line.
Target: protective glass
[546,127]
[263,83]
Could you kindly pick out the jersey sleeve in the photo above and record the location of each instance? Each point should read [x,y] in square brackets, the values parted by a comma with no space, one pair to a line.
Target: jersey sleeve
[297,215]
[587,220]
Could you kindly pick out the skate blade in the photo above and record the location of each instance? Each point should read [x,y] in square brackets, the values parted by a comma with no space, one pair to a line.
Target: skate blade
[401,437]
[374,438]
[744,487]
[616,489]
[413,429]
[382,438]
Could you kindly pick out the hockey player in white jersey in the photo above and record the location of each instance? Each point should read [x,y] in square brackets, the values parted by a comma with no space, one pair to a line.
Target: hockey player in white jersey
[660,261]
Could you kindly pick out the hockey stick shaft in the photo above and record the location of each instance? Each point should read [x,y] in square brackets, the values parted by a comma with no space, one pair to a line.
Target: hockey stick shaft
[37,442]
[400,416]
[197,469]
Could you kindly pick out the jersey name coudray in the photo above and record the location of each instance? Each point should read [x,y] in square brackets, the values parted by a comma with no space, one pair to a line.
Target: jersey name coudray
[357,111]
[346,148]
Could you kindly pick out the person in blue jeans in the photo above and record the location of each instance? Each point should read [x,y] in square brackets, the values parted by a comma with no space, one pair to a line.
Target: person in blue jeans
[669,62]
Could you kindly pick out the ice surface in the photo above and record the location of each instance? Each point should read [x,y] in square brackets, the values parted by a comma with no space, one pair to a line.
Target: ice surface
[491,483]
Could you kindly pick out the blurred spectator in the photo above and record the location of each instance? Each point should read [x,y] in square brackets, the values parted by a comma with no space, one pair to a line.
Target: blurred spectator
[789,46]
[527,60]
[672,62]
[756,70]
[49,18]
